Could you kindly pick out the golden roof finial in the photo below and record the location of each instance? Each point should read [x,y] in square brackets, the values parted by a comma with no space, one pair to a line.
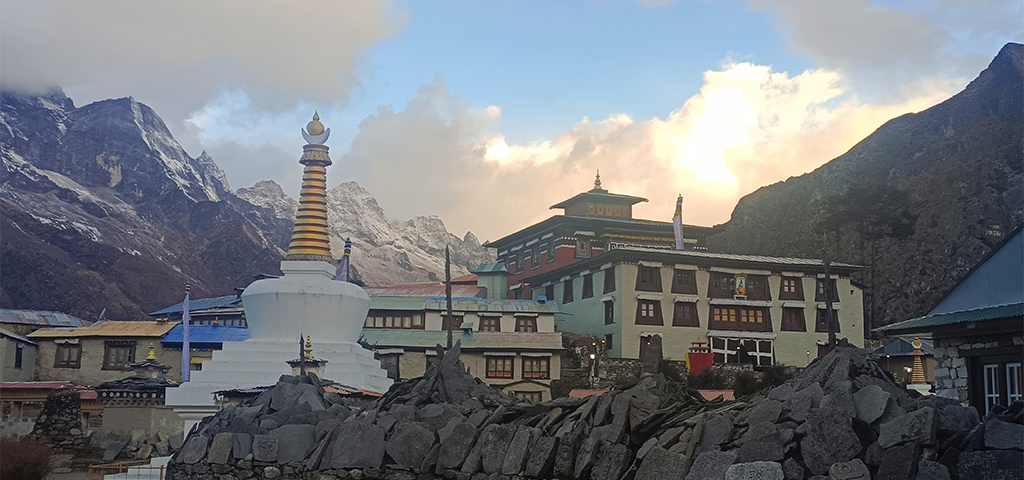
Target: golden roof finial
[314,127]
[152,353]
[917,343]
[309,348]
[597,181]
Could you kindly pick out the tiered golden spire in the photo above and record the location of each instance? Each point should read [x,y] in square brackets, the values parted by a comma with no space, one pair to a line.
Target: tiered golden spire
[309,348]
[309,239]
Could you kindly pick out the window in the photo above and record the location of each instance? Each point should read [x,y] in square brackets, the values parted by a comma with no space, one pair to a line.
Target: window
[583,248]
[499,367]
[490,324]
[526,324]
[609,312]
[742,350]
[536,367]
[1013,383]
[517,294]
[551,252]
[685,315]
[648,312]
[195,366]
[68,356]
[534,397]
[819,293]
[118,354]
[757,288]
[609,280]
[510,263]
[393,319]
[645,343]
[821,323]
[792,289]
[609,341]
[535,260]
[793,320]
[549,292]
[18,352]
[755,319]
[389,362]
[684,281]
[519,262]
[994,379]
[456,321]
[721,285]
[567,291]
[588,286]
[648,279]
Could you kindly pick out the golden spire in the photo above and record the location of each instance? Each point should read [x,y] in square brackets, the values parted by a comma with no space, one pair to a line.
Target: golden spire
[597,181]
[917,371]
[309,348]
[152,353]
[309,238]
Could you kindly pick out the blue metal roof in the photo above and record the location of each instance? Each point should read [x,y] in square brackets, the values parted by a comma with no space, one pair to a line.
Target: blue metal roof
[199,304]
[930,322]
[206,334]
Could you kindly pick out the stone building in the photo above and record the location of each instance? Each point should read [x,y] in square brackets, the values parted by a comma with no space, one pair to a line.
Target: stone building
[977,331]
[18,357]
[89,356]
[752,309]
[136,402]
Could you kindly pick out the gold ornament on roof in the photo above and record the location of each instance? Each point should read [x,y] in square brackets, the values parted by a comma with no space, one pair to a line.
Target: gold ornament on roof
[597,181]
[309,348]
[314,127]
[152,353]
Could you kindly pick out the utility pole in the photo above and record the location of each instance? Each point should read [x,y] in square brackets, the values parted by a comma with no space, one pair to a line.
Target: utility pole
[302,357]
[830,318]
[448,292]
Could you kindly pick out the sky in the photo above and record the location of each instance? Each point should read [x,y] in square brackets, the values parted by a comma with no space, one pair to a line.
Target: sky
[486,113]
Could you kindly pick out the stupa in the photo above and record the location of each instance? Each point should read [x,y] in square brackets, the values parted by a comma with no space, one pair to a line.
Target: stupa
[306,300]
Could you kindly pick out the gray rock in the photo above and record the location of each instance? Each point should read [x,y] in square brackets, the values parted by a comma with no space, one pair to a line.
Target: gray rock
[918,426]
[667,439]
[929,470]
[495,439]
[144,452]
[767,411]
[430,459]
[365,446]
[447,429]
[839,400]
[853,470]
[176,441]
[781,392]
[310,398]
[472,463]
[113,448]
[1000,435]
[610,433]
[754,471]
[410,443]
[870,403]
[899,462]
[542,457]
[518,450]
[585,458]
[456,446]
[284,395]
[293,441]
[991,465]
[264,448]
[241,445]
[762,443]
[163,448]
[603,408]
[792,470]
[620,409]
[711,465]
[955,418]
[659,464]
[220,448]
[827,370]
[328,425]
[612,461]
[829,439]
[641,405]
[271,472]
[717,430]
[478,417]
[566,454]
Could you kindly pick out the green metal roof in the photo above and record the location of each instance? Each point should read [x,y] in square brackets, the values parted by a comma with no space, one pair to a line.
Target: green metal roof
[930,322]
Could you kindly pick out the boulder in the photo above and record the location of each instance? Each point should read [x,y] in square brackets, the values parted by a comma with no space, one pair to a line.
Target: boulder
[566,454]
[113,448]
[518,450]
[710,465]
[585,458]
[717,429]
[541,458]
[410,443]
[241,445]
[754,471]
[792,470]
[612,461]
[929,470]
[918,426]
[293,441]
[1000,435]
[990,465]
[761,443]
[264,448]
[457,445]
[659,464]
[220,448]
[870,403]
[495,440]
[830,439]
[956,418]
[193,451]
[899,462]
[364,446]
[766,411]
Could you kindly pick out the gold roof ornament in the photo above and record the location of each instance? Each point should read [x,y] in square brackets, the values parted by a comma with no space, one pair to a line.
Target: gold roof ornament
[315,133]
[314,127]
[597,181]
[917,343]
[152,353]
[310,241]
[309,348]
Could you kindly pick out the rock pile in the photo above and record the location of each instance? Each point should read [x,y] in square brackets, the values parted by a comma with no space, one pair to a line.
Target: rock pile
[842,418]
[60,421]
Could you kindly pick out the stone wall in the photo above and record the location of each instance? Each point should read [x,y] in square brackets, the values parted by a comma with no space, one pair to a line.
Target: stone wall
[951,360]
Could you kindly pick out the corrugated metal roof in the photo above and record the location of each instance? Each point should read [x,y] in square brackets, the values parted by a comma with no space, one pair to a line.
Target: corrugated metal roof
[35,384]
[484,305]
[734,257]
[206,334]
[901,347]
[929,322]
[15,336]
[380,337]
[491,268]
[424,289]
[198,304]
[110,329]
[41,317]
[599,196]
[468,278]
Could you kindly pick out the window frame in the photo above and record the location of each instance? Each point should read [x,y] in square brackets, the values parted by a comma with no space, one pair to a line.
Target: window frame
[526,324]
[532,371]
[678,315]
[76,348]
[584,245]
[792,324]
[567,291]
[758,288]
[798,291]
[388,318]
[111,347]
[609,280]
[551,252]
[387,359]
[819,294]
[609,341]
[735,316]
[535,258]
[489,324]
[520,260]
[549,292]
[588,286]
[493,361]
[19,354]
[820,326]
[532,397]
[684,281]
[721,285]
[609,312]
[655,317]
[648,279]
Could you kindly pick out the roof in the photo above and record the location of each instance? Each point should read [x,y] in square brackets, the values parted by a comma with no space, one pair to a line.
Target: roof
[49,385]
[993,281]
[423,289]
[472,304]
[15,336]
[928,323]
[601,196]
[468,278]
[40,317]
[491,268]
[206,334]
[110,329]
[710,395]
[426,339]
[601,225]
[901,347]
[200,304]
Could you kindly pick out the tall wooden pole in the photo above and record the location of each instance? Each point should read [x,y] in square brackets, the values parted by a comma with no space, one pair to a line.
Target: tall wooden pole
[829,316]
[448,292]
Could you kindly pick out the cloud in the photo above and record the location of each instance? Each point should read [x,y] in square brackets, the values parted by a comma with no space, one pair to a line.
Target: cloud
[175,56]
[749,126]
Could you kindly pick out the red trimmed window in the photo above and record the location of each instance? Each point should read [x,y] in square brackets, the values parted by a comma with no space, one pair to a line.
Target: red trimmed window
[535,367]
[500,367]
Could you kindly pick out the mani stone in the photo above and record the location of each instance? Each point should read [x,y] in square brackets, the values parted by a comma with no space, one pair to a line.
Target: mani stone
[566,453]
[364,446]
[612,461]
[929,470]
[472,463]
[870,403]
[955,418]
[410,444]
[710,465]
[761,443]
[1000,435]
[766,411]
[717,429]
[241,445]
[220,448]
[830,439]
[193,451]
[456,446]
[991,465]
[660,464]
[293,441]
[264,448]
[542,457]
[918,426]
[585,458]
[754,471]
[852,470]
[495,439]
[113,448]
[899,463]
[518,449]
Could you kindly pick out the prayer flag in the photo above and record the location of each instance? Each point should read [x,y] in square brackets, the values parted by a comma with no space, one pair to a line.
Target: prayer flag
[677,223]
[186,365]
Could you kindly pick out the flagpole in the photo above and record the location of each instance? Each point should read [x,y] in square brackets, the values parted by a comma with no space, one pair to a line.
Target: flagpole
[186,364]
[677,223]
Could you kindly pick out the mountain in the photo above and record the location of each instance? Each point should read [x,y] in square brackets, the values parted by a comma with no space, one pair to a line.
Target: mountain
[102,209]
[952,172]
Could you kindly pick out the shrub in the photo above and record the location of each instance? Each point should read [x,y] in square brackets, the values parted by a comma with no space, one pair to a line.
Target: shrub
[745,384]
[708,379]
[775,375]
[24,458]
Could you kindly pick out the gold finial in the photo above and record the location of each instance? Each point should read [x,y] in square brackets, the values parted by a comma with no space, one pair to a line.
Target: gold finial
[917,343]
[152,353]
[309,348]
[597,181]
[314,127]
